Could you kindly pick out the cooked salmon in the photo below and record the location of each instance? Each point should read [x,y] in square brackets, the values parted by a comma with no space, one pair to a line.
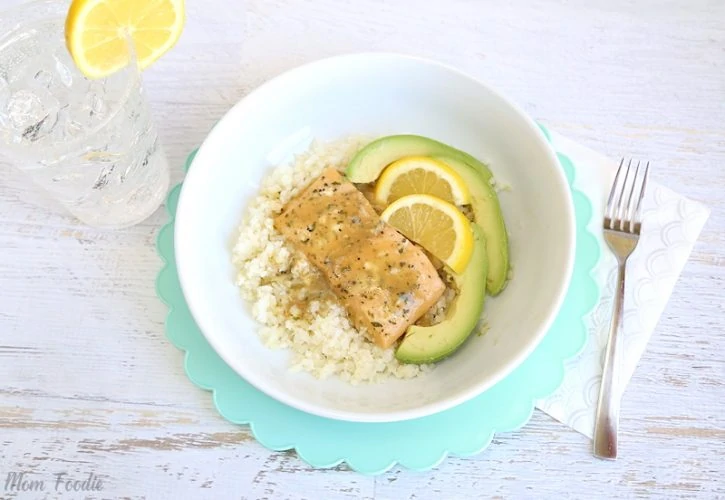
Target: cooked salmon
[383,280]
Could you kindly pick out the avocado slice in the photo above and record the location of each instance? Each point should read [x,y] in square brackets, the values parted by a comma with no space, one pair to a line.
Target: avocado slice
[367,164]
[487,213]
[370,161]
[428,344]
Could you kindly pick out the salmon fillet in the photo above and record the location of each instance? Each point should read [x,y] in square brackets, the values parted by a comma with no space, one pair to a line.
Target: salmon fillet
[385,282]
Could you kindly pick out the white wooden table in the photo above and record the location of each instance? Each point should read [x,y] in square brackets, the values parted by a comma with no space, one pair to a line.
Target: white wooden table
[89,384]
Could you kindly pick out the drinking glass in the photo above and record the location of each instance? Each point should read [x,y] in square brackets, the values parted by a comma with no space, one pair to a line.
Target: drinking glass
[91,144]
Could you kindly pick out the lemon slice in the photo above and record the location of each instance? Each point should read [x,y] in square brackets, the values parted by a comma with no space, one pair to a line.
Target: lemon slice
[97,32]
[421,175]
[434,224]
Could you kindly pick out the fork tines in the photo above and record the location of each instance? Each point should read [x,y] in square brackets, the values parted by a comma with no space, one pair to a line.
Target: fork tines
[624,207]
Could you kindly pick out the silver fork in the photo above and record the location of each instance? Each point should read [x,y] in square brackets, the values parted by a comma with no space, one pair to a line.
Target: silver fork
[622,225]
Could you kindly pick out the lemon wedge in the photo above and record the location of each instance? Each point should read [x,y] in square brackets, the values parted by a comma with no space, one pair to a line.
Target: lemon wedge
[434,224]
[97,32]
[421,175]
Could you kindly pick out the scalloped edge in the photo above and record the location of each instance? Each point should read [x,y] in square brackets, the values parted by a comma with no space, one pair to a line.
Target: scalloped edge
[164,247]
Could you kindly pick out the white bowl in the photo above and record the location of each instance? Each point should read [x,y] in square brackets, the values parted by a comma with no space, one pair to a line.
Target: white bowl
[376,94]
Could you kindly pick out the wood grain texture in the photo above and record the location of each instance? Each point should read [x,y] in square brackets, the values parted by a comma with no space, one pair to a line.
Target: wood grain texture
[88,382]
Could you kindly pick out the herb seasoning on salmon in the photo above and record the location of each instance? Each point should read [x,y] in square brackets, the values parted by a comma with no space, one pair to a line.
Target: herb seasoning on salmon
[384,282]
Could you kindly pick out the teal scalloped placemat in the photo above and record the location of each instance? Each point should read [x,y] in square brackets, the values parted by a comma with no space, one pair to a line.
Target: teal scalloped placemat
[373,448]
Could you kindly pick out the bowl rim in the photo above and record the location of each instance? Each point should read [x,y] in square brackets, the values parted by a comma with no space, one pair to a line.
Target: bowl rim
[396,415]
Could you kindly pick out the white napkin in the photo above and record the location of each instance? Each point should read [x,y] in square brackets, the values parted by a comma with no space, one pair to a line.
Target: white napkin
[671,225]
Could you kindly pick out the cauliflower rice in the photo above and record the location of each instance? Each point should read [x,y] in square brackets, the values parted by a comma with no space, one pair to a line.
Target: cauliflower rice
[288,295]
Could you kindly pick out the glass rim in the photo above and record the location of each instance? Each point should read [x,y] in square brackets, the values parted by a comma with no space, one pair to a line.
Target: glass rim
[131,73]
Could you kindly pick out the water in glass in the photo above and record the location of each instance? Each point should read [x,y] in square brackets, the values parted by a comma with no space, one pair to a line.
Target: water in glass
[90,143]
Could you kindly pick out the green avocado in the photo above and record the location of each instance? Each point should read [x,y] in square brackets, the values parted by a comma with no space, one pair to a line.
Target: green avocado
[370,161]
[367,164]
[428,344]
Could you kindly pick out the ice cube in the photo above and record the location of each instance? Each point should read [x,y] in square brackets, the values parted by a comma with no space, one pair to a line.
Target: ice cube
[51,72]
[44,78]
[72,128]
[63,71]
[90,109]
[32,114]
[24,108]
[95,105]
[66,129]
[32,72]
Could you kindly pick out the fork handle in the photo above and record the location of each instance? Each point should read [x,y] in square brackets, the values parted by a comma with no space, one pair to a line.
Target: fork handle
[607,419]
